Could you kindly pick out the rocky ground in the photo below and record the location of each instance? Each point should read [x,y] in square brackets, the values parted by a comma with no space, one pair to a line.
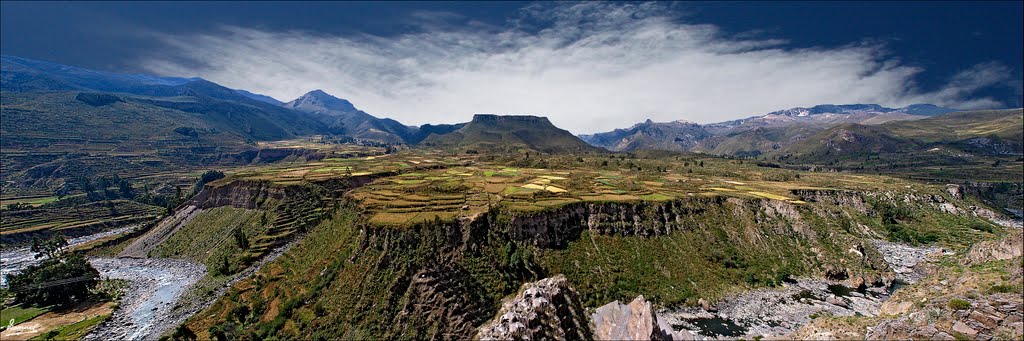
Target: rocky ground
[145,311]
[776,312]
[904,259]
[980,297]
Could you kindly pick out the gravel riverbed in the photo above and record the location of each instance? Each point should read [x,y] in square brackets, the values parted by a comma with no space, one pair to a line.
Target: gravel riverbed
[146,309]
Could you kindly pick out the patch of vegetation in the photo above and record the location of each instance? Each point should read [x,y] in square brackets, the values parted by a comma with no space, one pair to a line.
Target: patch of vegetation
[72,331]
[19,314]
[61,278]
[959,304]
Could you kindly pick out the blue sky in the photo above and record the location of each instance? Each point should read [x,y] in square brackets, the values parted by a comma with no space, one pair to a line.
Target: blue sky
[588,66]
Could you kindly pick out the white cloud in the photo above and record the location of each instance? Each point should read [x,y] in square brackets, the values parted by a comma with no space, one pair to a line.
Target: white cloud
[595,67]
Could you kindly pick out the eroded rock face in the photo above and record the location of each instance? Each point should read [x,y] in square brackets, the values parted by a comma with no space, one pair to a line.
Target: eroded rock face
[548,309]
[1006,248]
[634,321]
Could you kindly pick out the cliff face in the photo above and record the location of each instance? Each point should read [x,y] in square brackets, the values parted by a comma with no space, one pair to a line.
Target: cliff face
[238,194]
[446,279]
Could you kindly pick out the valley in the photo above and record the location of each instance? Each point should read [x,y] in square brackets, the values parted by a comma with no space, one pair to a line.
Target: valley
[216,213]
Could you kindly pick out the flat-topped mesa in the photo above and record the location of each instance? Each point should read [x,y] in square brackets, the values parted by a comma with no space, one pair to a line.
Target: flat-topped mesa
[480,118]
[509,132]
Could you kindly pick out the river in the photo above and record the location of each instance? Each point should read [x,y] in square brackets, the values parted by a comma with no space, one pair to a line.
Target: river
[144,311]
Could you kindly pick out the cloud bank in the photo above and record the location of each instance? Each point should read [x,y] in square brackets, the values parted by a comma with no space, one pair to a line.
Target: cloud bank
[590,67]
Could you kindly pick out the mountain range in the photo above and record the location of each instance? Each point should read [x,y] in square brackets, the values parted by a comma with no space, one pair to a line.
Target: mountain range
[45,102]
[753,134]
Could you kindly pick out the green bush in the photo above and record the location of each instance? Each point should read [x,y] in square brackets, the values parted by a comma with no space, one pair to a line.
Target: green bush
[908,235]
[1005,288]
[958,304]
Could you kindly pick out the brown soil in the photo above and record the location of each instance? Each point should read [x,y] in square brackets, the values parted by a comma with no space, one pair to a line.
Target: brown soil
[45,322]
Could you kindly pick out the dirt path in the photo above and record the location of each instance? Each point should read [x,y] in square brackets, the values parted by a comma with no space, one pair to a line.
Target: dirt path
[45,322]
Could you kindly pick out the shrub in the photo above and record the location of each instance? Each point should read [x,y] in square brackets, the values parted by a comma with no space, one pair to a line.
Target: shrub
[958,304]
[1005,288]
[183,333]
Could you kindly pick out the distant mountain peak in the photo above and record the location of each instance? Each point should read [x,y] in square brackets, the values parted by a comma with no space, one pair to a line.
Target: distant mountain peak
[320,101]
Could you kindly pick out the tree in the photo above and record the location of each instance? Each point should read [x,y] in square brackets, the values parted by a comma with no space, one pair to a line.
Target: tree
[51,248]
[62,278]
[240,239]
[126,189]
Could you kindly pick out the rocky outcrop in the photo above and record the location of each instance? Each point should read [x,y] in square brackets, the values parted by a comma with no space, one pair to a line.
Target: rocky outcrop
[834,197]
[905,259]
[992,317]
[447,296]
[544,310]
[238,194]
[1008,247]
[634,321]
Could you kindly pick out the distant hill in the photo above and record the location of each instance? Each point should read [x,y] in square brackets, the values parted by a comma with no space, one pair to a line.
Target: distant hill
[494,132]
[828,115]
[343,118]
[209,105]
[982,133]
[756,135]
[261,98]
[23,75]
[672,136]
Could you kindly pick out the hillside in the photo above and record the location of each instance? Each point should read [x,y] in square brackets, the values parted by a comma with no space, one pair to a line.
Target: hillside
[829,114]
[494,132]
[845,141]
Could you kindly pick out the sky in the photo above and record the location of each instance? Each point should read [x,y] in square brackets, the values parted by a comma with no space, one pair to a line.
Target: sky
[589,67]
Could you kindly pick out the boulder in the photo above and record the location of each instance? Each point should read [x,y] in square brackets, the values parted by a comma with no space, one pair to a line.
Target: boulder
[963,328]
[634,321]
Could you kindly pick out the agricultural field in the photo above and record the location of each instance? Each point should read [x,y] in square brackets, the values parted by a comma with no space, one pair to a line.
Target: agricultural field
[471,187]
[74,220]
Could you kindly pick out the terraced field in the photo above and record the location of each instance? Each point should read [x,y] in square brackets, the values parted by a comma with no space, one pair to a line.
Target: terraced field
[22,225]
[424,185]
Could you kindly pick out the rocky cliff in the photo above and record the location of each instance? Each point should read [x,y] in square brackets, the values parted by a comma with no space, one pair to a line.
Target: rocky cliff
[544,310]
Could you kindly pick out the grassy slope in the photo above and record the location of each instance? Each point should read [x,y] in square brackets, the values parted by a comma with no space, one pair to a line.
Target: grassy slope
[1006,124]
[208,237]
[37,120]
